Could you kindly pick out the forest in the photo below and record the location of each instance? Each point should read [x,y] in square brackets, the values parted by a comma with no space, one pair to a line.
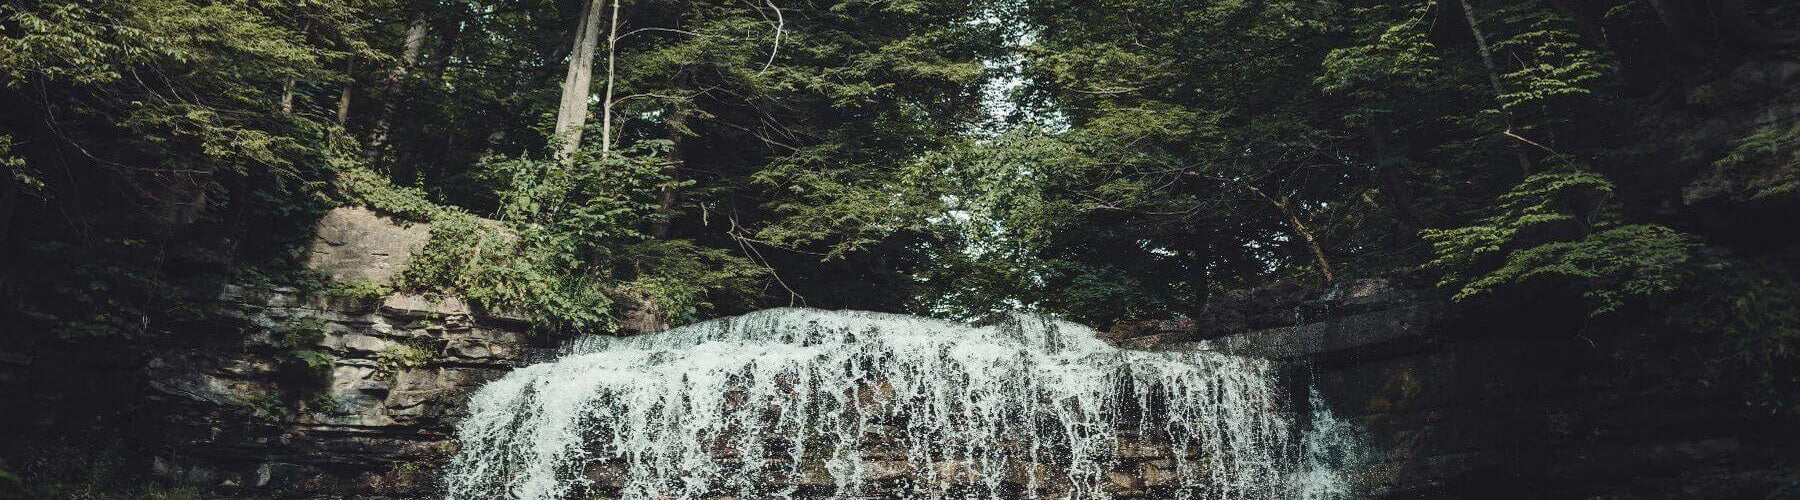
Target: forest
[1611,165]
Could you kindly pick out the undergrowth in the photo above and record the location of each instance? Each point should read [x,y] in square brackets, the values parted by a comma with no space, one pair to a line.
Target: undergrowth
[567,247]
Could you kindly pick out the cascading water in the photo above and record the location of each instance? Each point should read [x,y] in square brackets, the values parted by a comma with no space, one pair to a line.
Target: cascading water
[805,403]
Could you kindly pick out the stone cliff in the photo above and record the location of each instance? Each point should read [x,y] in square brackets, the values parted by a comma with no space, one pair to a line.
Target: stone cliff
[375,419]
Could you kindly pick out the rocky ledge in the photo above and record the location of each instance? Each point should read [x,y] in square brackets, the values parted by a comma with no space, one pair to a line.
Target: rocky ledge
[330,395]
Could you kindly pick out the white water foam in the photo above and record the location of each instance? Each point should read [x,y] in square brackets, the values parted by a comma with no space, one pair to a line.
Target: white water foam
[811,403]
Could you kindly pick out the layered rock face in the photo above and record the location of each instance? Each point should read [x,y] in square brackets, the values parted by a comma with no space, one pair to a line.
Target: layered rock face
[330,395]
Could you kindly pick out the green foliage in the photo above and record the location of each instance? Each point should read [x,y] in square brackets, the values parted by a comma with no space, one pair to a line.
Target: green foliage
[1768,161]
[149,53]
[405,355]
[567,244]
[1551,64]
[1549,203]
[1612,266]
[360,185]
[1557,227]
[688,282]
[1753,308]
[300,332]
[314,364]
[105,290]
[1397,57]
[357,290]
[299,358]
[262,407]
[174,161]
[15,167]
[90,469]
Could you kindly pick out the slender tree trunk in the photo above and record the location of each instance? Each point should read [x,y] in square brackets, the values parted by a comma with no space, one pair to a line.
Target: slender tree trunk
[1318,252]
[606,108]
[287,96]
[571,113]
[288,84]
[1306,236]
[666,201]
[343,104]
[390,93]
[1493,76]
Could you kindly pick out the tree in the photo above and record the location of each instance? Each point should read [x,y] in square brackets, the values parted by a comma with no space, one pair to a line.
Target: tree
[571,114]
[413,43]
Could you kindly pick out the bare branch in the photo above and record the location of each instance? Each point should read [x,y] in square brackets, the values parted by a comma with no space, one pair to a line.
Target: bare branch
[780,24]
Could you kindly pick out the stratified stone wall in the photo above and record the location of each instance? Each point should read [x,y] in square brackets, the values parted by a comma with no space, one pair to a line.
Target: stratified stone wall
[249,420]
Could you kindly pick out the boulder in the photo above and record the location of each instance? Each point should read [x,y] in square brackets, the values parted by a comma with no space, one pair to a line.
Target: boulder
[357,244]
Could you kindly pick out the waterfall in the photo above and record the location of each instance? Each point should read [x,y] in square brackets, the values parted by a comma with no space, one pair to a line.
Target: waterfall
[811,403]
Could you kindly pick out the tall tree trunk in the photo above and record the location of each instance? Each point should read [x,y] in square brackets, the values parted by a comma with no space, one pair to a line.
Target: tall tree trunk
[606,108]
[571,113]
[1493,76]
[350,81]
[390,92]
[344,105]
[288,84]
